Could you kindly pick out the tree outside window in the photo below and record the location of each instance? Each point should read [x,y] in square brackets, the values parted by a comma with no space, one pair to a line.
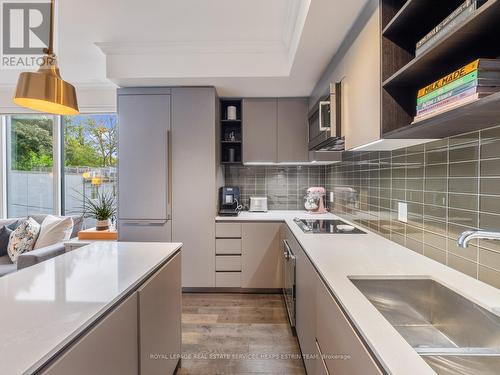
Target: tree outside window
[30,165]
[90,145]
[90,158]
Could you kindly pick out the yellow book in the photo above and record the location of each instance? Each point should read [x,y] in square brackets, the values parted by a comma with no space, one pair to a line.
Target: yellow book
[449,78]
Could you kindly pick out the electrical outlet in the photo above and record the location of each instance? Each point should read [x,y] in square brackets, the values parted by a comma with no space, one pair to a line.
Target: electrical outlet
[403,212]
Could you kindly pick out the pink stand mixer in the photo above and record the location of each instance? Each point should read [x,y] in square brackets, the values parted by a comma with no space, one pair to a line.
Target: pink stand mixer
[314,200]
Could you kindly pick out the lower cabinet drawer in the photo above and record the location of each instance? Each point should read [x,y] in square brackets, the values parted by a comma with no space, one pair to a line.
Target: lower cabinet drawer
[228,279]
[228,230]
[228,246]
[228,263]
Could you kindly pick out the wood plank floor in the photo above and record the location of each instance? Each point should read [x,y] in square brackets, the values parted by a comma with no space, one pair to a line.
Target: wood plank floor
[237,334]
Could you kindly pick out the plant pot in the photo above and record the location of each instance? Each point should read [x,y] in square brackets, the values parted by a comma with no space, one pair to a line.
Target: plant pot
[102,224]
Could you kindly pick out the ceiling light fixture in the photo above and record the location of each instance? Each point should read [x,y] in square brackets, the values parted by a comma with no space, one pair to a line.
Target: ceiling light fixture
[45,90]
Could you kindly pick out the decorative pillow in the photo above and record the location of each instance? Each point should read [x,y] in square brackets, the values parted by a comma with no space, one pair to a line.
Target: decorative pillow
[23,238]
[53,230]
[4,240]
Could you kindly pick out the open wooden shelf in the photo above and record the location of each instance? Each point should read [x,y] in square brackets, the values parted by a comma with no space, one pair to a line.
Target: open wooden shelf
[401,29]
[481,114]
[406,22]
[227,127]
[456,49]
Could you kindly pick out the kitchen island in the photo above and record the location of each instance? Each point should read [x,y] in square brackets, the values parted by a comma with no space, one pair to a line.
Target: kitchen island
[337,259]
[103,308]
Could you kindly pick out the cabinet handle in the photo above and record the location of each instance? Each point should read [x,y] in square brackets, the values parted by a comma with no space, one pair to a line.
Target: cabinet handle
[321,357]
[169,174]
[287,247]
[143,221]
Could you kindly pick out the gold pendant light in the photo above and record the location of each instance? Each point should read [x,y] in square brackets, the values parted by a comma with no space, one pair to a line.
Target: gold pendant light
[45,90]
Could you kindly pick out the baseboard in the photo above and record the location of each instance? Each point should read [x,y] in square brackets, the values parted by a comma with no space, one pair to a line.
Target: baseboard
[233,290]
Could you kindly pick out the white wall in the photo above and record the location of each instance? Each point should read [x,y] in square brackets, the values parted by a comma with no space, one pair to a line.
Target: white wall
[357,65]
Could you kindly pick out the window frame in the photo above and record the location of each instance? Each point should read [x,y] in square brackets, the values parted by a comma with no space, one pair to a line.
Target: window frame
[58,134]
[3,167]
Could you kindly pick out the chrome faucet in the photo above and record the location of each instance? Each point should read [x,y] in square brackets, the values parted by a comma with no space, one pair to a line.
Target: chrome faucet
[465,237]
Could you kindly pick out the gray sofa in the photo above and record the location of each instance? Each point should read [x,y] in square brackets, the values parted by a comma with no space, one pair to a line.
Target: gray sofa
[38,255]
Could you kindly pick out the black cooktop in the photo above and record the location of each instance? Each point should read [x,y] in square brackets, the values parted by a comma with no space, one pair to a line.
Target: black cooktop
[318,226]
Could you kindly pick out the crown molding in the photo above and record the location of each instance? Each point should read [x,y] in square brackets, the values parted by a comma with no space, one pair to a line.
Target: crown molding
[298,15]
[290,25]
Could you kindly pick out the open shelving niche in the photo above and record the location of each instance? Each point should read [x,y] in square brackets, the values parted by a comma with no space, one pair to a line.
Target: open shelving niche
[406,22]
[226,127]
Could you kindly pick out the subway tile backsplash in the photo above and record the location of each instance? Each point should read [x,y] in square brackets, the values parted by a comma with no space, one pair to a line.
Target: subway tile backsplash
[284,187]
[451,185]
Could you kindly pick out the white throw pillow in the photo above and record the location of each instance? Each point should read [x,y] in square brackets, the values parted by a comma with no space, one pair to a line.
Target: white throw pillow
[23,238]
[54,230]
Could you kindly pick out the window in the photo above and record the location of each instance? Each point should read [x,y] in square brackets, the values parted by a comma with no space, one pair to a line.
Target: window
[30,165]
[90,156]
[52,162]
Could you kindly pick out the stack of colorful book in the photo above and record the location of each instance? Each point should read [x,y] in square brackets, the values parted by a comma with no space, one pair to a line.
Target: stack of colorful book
[476,80]
[448,25]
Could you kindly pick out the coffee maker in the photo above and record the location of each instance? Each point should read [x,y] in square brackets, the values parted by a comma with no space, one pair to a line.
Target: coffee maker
[229,201]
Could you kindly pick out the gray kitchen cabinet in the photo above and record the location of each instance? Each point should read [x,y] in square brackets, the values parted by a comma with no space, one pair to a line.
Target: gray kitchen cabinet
[228,230]
[143,156]
[293,136]
[196,176]
[108,348]
[335,336]
[305,315]
[260,130]
[160,300]
[144,200]
[228,263]
[227,246]
[275,130]
[261,263]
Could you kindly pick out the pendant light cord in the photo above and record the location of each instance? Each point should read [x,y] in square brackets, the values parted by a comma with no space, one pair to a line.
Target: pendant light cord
[50,51]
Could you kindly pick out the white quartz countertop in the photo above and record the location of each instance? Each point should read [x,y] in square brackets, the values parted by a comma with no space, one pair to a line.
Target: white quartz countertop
[44,307]
[341,257]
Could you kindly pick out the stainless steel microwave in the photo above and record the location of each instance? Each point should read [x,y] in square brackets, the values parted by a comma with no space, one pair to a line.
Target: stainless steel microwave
[325,121]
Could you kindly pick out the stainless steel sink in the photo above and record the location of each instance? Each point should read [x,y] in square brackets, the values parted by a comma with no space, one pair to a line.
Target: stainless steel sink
[451,333]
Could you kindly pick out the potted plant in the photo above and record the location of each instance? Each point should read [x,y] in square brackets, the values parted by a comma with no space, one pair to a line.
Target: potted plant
[102,208]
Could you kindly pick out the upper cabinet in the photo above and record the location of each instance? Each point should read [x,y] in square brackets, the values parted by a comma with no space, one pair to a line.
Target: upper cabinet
[360,76]
[292,130]
[275,130]
[259,130]
[357,66]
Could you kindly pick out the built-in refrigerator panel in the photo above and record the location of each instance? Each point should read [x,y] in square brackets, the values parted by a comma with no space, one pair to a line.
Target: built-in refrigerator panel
[130,231]
[144,173]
